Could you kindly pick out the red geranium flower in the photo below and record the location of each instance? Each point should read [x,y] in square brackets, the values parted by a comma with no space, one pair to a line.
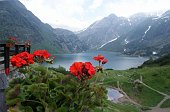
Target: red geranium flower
[42,53]
[76,69]
[16,61]
[82,70]
[90,69]
[22,59]
[104,61]
[12,38]
[30,59]
[98,58]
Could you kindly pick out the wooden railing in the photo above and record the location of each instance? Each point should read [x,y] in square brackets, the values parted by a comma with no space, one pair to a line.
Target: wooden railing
[6,52]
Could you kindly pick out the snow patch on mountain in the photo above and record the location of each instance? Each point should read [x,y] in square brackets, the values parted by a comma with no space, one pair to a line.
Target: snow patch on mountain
[156,18]
[146,32]
[126,41]
[154,52]
[108,42]
[147,29]
[129,22]
[161,17]
[165,17]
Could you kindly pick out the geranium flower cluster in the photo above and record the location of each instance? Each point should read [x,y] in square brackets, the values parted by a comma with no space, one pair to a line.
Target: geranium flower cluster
[41,55]
[22,59]
[82,71]
[25,59]
[11,41]
[100,59]
[12,38]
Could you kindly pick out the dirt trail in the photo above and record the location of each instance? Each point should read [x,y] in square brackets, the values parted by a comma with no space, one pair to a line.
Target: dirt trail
[157,108]
[160,103]
[164,94]
[128,98]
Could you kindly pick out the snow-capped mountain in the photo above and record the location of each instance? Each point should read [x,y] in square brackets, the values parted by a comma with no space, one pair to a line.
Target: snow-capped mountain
[109,29]
[150,36]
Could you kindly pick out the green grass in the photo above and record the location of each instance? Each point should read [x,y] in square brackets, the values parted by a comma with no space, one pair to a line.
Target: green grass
[156,77]
[112,107]
[166,104]
[146,97]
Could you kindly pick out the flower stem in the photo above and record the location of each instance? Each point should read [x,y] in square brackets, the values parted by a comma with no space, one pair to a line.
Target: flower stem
[33,101]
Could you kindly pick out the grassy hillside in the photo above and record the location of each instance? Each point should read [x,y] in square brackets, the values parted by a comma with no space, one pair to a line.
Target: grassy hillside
[164,60]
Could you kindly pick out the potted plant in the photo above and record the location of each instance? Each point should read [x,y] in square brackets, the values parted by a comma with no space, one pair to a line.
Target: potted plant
[11,41]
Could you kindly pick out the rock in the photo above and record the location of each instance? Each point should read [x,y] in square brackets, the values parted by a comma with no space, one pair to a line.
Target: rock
[3,81]
[3,86]
[3,107]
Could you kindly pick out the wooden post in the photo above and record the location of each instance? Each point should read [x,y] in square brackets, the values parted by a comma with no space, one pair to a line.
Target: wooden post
[141,78]
[23,49]
[118,84]
[16,49]
[29,49]
[6,59]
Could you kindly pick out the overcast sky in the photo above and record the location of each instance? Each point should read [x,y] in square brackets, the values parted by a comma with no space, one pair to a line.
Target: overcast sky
[79,14]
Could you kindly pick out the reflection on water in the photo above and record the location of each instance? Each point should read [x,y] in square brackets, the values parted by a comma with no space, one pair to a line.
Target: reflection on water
[113,95]
[116,61]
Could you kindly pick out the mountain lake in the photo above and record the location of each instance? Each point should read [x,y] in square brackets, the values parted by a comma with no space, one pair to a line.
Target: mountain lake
[116,61]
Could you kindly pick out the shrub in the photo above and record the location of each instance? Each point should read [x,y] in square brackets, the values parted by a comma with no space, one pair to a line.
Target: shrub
[45,91]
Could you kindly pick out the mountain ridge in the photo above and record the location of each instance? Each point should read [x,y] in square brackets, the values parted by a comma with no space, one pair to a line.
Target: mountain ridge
[141,34]
[107,29]
[19,22]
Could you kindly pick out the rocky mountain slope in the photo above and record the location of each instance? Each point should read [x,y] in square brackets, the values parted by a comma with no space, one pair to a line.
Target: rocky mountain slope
[70,41]
[17,21]
[109,29]
[140,34]
[151,36]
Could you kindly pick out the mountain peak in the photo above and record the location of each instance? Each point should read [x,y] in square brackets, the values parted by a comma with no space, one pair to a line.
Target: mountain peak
[112,15]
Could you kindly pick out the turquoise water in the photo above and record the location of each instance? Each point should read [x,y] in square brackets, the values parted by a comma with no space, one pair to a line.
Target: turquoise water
[116,60]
